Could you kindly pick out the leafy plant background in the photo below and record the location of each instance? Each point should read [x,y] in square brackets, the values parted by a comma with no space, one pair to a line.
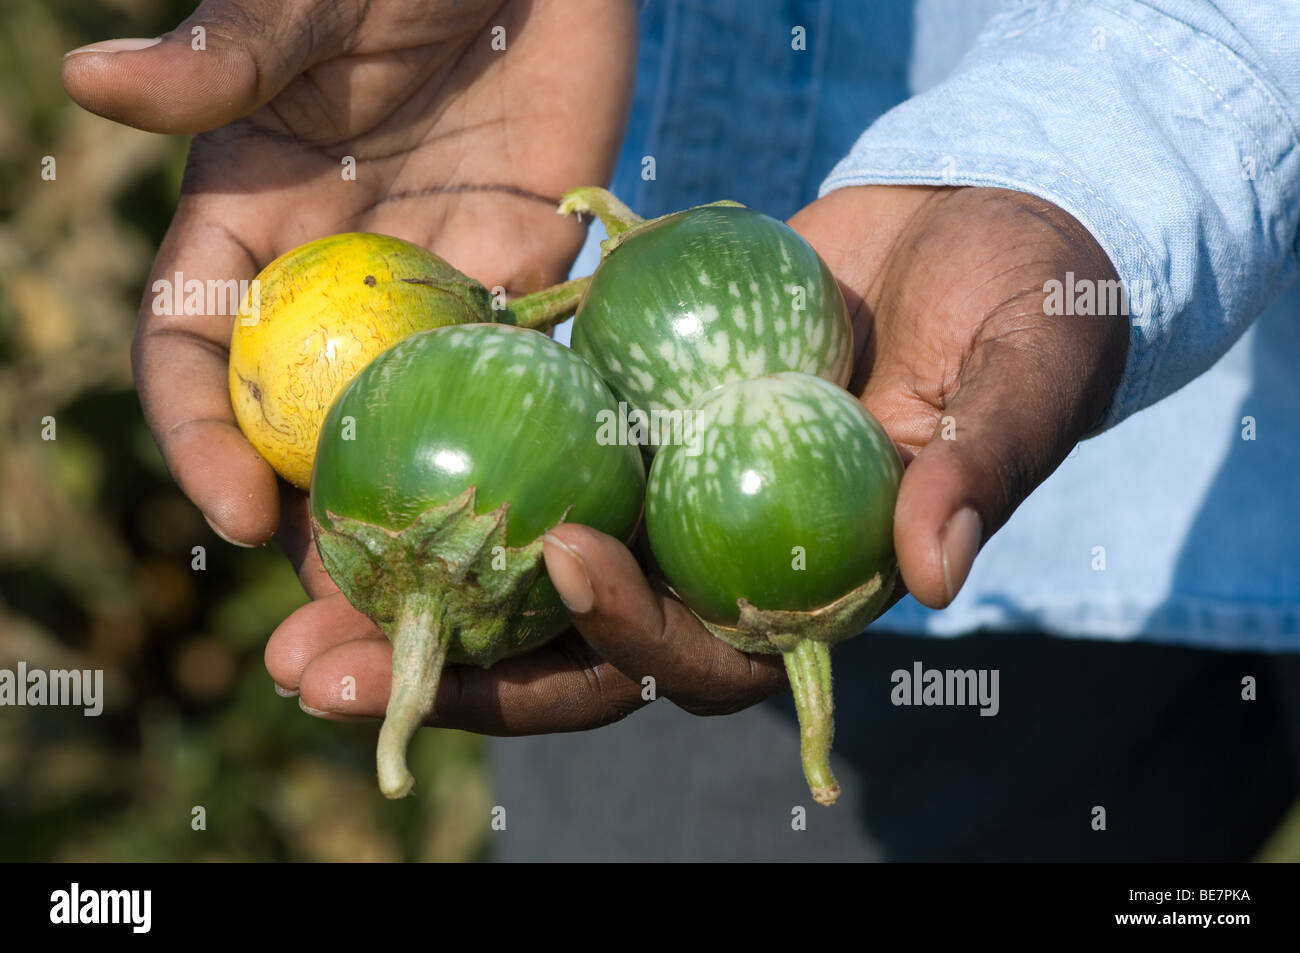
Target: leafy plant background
[96,542]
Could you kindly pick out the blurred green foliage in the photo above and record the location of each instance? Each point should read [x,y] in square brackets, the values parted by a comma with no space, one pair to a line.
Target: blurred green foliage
[97,544]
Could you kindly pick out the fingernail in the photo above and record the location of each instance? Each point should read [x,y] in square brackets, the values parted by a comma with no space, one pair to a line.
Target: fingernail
[569,574]
[286,692]
[959,543]
[232,542]
[124,45]
[314,712]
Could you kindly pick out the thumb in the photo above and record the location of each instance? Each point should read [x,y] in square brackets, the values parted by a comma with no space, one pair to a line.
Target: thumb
[647,635]
[1024,402]
[229,58]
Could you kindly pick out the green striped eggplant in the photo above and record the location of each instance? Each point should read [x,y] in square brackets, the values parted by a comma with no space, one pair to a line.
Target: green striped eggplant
[775,526]
[702,297]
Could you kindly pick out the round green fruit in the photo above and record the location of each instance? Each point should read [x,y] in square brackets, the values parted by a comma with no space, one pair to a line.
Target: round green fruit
[702,297]
[776,529]
[439,469]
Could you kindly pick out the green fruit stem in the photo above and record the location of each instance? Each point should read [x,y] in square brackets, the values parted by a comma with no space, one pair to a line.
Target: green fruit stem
[620,222]
[593,200]
[447,585]
[420,637]
[544,309]
[809,667]
[804,640]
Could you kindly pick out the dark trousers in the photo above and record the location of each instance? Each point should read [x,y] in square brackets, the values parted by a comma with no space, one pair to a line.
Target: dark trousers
[1160,738]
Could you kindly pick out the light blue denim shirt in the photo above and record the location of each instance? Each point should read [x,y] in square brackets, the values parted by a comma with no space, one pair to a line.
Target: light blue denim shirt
[1169,129]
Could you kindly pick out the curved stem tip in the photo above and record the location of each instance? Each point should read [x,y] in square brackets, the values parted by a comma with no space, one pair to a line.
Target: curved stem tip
[420,638]
[593,200]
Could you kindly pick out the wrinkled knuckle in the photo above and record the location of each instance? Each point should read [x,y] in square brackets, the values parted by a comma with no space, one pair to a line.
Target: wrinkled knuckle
[607,696]
[610,699]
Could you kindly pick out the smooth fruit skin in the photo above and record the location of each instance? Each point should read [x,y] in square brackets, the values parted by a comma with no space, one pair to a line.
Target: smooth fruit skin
[506,410]
[324,311]
[705,297]
[439,469]
[793,472]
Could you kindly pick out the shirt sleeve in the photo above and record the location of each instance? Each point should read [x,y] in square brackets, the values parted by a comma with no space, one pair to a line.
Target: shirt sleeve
[1168,128]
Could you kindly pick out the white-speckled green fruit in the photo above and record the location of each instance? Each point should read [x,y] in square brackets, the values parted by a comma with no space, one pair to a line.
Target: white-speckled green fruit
[787,463]
[707,296]
[776,528]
